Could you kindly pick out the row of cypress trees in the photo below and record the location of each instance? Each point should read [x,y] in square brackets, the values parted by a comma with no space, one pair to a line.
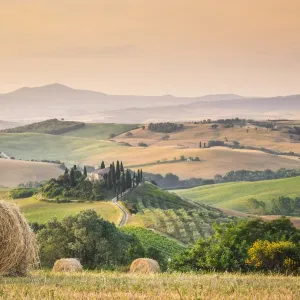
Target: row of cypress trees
[118,180]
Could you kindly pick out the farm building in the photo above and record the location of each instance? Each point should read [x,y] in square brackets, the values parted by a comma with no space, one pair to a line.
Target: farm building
[98,174]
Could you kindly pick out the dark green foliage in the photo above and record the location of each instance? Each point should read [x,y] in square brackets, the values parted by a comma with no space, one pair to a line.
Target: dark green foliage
[244,175]
[165,127]
[141,144]
[84,172]
[102,165]
[19,193]
[227,249]
[72,178]
[256,207]
[215,143]
[172,181]
[86,236]
[52,126]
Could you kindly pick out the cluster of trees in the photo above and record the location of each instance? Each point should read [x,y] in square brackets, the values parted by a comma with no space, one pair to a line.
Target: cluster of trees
[171,180]
[118,180]
[22,192]
[246,245]
[245,175]
[295,130]
[282,205]
[165,127]
[286,206]
[73,184]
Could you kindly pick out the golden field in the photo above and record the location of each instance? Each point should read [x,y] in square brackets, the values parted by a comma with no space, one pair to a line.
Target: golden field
[119,286]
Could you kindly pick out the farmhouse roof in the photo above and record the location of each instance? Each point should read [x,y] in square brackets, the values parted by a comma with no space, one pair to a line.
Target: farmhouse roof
[102,171]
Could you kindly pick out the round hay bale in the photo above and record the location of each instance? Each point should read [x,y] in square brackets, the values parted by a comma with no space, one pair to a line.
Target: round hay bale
[144,266]
[67,265]
[18,246]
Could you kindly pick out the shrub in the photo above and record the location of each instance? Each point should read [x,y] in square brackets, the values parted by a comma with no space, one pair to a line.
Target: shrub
[282,256]
[141,144]
[19,193]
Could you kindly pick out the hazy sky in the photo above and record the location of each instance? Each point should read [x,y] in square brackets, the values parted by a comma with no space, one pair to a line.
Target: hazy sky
[179,47]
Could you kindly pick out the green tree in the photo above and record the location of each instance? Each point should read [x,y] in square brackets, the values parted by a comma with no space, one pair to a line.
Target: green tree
[102,165]
[123,183]
[86,236]
[72,178]
[66,171]
[118,171]
[122,168]
[84,172]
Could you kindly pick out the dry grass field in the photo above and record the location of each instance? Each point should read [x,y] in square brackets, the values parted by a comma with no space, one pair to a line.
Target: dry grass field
[14,172]
[194,133]
[119,286]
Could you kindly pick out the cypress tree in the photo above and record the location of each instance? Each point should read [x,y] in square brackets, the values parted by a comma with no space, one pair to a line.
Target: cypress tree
[138,177]
[75,167]
[72,178]
[133,180]
[122,168]
[109,181]
[200,145]
[85,172]
[66,171]
[123,181]
[118,171]
[128,179]
[113,175]
[141,174]
[102,165]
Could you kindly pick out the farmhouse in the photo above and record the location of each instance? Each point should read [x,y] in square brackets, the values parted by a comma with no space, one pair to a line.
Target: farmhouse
[98,174]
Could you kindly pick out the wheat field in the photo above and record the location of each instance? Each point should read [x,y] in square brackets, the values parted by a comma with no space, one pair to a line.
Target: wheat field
[119,286]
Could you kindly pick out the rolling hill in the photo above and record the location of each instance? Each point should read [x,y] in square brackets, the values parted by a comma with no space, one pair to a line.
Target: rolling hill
[234,196]
[14,172]
[171,215]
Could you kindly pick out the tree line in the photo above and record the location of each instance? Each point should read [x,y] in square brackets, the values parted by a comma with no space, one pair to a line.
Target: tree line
[165,127]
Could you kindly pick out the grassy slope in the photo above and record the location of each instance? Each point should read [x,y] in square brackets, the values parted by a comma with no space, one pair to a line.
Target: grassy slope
[41,212]
[100,131]
[71,150]
[14,172]
[119,286]
[170,215]
[235,195]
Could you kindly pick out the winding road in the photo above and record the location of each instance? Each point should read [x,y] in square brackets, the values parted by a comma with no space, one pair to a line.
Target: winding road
[124,212]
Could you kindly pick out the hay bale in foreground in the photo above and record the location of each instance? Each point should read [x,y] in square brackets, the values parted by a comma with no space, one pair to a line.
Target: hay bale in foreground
[18,246]
[67,265]
[144,266]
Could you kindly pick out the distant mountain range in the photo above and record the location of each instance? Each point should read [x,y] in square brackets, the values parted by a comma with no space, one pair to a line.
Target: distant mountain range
[60,101]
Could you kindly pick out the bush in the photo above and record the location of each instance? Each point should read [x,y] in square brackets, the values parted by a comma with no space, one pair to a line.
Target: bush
[280,256]
[19,193]
[141,144]
[227,249]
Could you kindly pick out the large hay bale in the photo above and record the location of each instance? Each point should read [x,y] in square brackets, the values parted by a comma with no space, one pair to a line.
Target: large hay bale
[144,266]
[67,265]
[18,246]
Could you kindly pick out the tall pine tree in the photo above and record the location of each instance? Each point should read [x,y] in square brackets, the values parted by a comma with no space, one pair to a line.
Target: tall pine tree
[122,168]
[102,165]
[84,172]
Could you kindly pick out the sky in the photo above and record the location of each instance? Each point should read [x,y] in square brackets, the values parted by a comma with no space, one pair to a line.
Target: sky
[142,47]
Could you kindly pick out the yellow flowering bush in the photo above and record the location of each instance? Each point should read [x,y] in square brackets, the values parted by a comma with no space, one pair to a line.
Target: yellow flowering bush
[280,256]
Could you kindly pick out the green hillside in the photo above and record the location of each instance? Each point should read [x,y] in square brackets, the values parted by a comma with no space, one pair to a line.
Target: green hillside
[170,214]
[68,149]
[101,131]
[52,126]
[42,211]
[235,195]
